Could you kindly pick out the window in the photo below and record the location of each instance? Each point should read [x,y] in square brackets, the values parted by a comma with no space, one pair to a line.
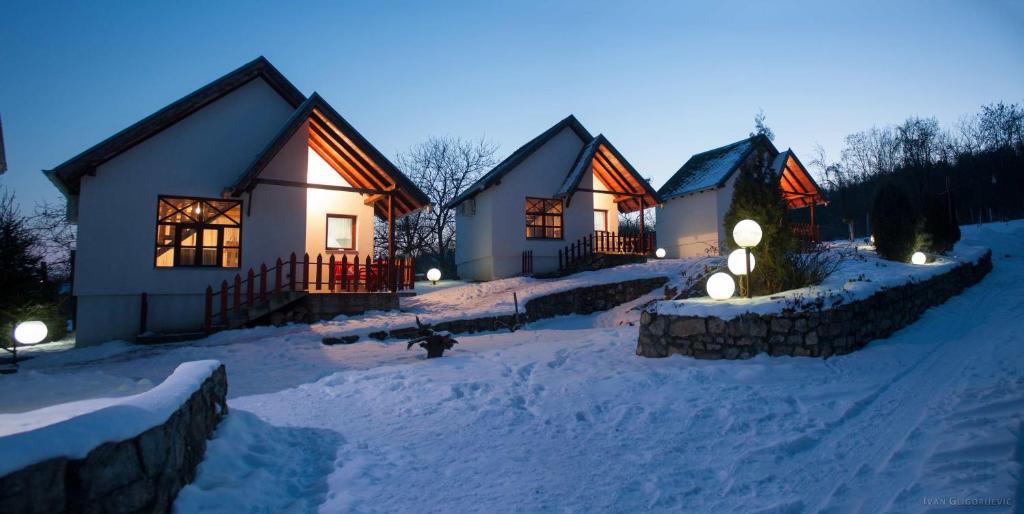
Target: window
[196,232]
[543,218]
[600,220]
[341,232]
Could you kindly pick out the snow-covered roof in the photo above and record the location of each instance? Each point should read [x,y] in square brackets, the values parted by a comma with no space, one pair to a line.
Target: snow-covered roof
[710,169]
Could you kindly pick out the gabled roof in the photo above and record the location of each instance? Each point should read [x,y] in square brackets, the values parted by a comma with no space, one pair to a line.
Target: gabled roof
[68,175]
[711,169]
[798,186]
[345,150]
[614,171]
[494,176]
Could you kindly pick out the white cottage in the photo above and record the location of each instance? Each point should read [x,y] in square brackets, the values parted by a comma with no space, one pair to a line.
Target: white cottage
[691,219]
[202,215]
[552,202]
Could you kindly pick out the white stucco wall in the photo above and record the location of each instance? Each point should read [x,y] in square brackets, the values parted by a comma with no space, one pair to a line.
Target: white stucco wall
[198,157]
[489,244]
[321,202]
[687,226]
[606,202]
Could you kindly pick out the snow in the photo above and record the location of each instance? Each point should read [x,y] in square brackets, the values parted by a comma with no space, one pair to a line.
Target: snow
[74,429]
[705,170]
[861,274]
[563,416]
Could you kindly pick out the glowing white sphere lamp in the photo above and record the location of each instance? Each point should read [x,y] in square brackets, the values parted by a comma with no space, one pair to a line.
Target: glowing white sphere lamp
[660,253]
[721,286]
[30,332]
[918,258]
[738,262]
[433,275]
[747,233]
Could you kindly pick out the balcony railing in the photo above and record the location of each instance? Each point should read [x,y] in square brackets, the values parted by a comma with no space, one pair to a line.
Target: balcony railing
[608,243]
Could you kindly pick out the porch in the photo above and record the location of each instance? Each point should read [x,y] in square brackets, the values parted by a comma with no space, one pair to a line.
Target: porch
[800,191]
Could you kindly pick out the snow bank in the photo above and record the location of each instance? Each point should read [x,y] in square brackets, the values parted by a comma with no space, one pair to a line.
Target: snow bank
[73,429]
[861,274]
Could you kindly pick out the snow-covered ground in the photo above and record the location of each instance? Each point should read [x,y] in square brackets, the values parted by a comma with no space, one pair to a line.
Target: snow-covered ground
[562,416]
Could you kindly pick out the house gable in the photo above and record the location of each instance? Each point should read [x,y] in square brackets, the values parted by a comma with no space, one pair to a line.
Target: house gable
[614,172]
[711,169]
[67,176]
[517,157]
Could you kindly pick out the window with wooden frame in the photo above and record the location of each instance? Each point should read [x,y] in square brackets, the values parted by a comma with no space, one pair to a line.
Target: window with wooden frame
[341,232]
[198,232]
[600,220]
[543,218]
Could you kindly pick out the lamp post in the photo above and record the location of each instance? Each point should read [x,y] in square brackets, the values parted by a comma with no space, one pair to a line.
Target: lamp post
[27,332]
[747,234]
[433,275]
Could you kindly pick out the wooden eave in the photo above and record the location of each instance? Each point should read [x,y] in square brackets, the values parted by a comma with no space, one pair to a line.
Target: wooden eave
[798,187]
[616,173]
[347,152]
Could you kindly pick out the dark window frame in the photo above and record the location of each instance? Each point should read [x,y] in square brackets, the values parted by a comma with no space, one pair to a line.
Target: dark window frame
[199,227]
[543,215]
[327,233]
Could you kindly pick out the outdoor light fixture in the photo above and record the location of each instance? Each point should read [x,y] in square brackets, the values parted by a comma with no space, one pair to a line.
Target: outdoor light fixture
[918,258]
[30,332]
[738,262]
[433,275]
[747,234]
[721,286]
[660,253]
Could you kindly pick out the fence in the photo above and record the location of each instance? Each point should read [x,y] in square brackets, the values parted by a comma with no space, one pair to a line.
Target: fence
[604,243]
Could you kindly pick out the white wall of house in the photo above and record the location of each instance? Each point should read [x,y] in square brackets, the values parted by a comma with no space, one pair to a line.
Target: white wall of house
[606,203]
[321,202]
[694,225]
[490,242]
[197,157]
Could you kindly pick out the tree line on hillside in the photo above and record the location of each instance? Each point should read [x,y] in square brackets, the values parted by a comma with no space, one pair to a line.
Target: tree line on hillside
[974,169]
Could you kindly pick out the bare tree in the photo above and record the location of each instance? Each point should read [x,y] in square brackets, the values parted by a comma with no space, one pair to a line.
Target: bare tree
[55,236]
[443,167]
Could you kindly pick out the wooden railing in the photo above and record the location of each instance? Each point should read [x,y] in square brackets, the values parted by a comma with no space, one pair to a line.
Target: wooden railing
[604,243]
[527,262]
[319,276]
[806,232]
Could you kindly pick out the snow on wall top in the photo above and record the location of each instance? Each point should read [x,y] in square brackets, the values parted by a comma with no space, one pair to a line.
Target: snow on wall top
[73,429]
[706,170]
[860,275]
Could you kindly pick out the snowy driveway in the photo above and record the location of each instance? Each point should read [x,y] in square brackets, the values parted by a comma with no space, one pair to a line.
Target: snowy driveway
[563,417]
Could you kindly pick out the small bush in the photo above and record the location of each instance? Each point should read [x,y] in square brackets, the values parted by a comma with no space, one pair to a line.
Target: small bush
[939,232]
[893,223]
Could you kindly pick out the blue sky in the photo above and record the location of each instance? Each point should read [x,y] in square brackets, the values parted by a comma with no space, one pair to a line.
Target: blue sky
[661,80]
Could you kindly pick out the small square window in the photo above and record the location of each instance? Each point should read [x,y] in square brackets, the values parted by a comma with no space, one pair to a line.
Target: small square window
[341,232]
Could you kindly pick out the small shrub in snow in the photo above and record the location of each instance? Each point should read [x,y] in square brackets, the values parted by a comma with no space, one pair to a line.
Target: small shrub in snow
[939,231]
[435,343]
[893,223]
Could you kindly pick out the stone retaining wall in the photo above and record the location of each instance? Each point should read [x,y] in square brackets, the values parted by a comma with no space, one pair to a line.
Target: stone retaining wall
[815,333]
[583,300]
[139,475]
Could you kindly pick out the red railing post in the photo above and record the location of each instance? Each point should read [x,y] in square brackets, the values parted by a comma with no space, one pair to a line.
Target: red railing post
[400,275]
[236,296]
[291,273]
[319,271]
[412,273]
[305,272]
[263,282]
[224,302]
[355,273]
[249,279]
[208,310]
[344,272]
[330,273]
[277,275]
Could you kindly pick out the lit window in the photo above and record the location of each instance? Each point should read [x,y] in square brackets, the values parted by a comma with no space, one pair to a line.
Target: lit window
[600,220]
[341,232]
[196,232]
[543,218]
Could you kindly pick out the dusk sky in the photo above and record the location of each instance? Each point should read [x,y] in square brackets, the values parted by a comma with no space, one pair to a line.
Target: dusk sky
[661,80]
